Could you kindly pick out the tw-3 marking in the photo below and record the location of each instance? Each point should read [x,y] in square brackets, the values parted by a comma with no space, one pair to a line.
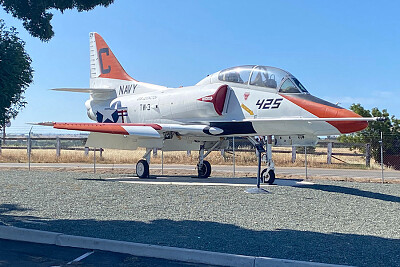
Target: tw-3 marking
[269,103]
[145,106]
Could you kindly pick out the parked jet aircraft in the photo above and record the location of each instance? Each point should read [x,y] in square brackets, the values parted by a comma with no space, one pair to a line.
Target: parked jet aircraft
[247,101]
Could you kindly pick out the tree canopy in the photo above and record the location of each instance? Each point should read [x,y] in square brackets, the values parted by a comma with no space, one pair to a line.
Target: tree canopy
[16,73]
[372,134]
[36,16]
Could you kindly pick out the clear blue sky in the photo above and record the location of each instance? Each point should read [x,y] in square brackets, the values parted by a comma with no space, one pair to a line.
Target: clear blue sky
[342,51]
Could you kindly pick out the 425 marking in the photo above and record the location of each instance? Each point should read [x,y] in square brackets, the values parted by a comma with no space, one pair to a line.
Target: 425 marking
[269,103]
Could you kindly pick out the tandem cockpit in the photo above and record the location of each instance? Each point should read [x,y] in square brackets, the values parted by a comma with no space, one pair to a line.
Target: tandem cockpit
[263,77]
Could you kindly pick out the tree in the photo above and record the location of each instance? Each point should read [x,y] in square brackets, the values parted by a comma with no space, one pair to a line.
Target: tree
[16,73]
[36,16]
[372,134]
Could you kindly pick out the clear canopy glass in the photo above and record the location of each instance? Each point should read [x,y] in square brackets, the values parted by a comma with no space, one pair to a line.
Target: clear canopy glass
[263,76]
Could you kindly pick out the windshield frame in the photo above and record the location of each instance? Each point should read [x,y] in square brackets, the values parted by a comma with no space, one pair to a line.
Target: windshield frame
[279,77]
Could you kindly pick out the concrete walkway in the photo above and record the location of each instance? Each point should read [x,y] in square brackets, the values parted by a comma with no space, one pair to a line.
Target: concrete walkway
[280,171]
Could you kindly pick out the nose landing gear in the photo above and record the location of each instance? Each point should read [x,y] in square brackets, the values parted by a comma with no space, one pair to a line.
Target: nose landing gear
[205,170]
[268,174]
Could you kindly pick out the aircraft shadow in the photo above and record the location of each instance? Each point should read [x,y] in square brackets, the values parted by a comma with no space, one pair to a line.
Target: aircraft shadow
[279,182]
[354,192]
[337,248]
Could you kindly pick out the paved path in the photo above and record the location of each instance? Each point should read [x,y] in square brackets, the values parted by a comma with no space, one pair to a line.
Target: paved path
[281,171]
[17,253]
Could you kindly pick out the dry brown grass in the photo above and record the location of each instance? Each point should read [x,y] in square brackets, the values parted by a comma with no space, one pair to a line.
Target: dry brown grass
[113,156]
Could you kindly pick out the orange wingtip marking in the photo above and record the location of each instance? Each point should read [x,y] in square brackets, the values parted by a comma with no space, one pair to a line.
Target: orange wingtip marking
[109,64]
[323,111]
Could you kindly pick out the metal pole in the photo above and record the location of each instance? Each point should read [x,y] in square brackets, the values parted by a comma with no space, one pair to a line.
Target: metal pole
[162,162]
[382,156]
[94,160]
[234,162]
[305,161]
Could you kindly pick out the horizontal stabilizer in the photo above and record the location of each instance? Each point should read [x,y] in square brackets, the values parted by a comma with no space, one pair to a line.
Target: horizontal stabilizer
[85,90]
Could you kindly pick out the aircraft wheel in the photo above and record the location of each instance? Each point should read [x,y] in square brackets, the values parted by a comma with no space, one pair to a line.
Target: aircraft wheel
[205,170]
[142,169]
[268,176]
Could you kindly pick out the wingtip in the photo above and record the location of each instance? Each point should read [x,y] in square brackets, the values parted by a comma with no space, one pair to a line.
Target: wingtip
[381,119]
[47,123]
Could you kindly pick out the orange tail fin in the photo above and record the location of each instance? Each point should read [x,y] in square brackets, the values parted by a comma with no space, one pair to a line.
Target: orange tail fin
[103,63]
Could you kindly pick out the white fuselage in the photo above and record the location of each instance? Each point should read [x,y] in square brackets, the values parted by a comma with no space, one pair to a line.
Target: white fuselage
[147,103]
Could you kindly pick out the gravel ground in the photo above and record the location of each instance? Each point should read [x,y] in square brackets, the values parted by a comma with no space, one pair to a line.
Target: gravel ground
[330,222]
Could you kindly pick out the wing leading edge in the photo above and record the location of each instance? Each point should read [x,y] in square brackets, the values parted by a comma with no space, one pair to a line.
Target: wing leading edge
[153,130]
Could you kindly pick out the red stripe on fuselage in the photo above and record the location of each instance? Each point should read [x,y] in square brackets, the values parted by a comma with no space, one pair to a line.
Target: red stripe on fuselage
[324,111]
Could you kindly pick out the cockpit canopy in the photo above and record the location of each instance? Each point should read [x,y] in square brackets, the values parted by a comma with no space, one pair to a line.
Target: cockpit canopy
[263,76]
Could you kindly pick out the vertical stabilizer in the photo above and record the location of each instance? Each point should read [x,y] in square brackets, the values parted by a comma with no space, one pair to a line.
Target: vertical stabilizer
[103,63]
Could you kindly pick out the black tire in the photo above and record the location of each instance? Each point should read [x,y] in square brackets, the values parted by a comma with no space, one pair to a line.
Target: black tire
[268,177]
[142,169]
[205,171]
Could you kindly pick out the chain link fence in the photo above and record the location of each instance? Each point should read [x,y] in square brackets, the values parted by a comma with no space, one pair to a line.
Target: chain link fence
[328,153]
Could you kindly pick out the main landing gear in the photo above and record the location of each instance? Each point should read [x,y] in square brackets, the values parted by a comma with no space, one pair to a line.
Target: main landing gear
[204,167]
[142,167]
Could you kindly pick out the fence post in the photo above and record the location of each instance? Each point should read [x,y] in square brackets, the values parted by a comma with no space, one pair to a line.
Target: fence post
[233,156]
[367,155]
[162,162]
[29,145]
[86,151]
[293,154]
[305,161]
[58,147]
[329,153]
[29,148]
[94,160]
[381,142]
[3,129]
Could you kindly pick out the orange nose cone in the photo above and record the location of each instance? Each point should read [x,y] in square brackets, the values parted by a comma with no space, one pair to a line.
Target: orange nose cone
[345,127]
[349,126]
[323,109]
